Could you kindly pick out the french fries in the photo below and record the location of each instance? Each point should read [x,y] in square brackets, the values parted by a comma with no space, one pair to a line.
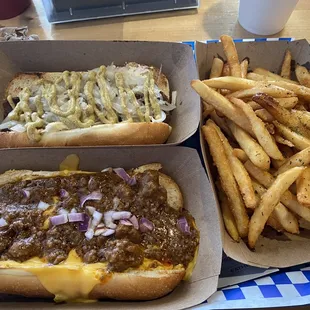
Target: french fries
[298,141]
[241,175]
[228,217]
[268,202]
[271,76]
[260,131]
[286,65]
[303,75]
[280,213]
[228,182]
[217,67]
[299,159]
[259,138]
[253,150]
[281,114]
[231,55]
[303,188]
[221,104]
[244,67]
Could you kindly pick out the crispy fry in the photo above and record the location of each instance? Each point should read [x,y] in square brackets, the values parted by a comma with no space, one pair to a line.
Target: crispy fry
[241,175]
[241,155]
[272,90]
[300,159]
[288,199]
[303,188]
[260,131]
[303,75]
[231,55]
[217,67]
[283,141]
[286,65]
[244,67]
[268,202]
[288,103]
[228,218]
[281,114]
[273,76]
[303,116]
[221,122]
[253,150]
[280,213]
[299,90]
[227,179]
[226,70]
[298,141]
[254,105]
[236,84]
[264,115]
[207,109]
[221,104]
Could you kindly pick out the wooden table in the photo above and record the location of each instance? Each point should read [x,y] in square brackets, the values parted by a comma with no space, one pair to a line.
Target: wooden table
[213,18]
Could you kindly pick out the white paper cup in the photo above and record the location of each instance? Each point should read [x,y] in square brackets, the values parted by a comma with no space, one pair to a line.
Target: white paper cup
[265,17]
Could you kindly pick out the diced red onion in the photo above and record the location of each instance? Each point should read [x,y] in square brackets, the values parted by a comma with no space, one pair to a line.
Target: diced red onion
[124,175]
[134,222]
[91,210]
[97,216]
[108,220]
[108,232]
[83,226]
[107,169]
[64,193]
[73,210]
[3,222]
[146,225]
[183,225]
[101,225]
[59,219]
[91,196]
[89,234]
[125,222]
[63,211]
[99,231]
[42,205]
[26,193]
[76,217]
[92,184]
[121,215]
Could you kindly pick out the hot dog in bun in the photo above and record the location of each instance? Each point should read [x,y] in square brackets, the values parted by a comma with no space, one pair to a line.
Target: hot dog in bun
[77,235]
[109,105]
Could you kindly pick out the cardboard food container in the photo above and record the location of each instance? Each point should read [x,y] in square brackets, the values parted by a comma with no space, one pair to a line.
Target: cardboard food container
[176,60]
[184,166]
[273,249]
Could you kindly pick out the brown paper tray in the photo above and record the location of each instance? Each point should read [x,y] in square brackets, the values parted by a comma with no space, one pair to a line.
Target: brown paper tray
[184,166]
[272,250]
[176,59]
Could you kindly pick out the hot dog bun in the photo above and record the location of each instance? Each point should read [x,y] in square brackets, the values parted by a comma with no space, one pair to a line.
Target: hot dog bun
[143,125]
[75,280]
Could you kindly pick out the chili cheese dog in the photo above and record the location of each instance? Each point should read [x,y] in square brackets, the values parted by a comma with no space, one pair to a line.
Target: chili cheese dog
[77,235]
[104,106]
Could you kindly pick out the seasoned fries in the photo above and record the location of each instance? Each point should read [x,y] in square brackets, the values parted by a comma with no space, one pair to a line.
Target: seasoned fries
[303,75]
[231,55]
[217,68]
[286,65]
[268,202]
[260,131]
[303,188]
[259,138]
[253,150]
[228,182]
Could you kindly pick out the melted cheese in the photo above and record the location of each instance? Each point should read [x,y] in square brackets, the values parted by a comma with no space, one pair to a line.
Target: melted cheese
[72,280]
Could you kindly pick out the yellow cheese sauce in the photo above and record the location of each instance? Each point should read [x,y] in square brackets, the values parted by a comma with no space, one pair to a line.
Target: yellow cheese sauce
[73,280]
